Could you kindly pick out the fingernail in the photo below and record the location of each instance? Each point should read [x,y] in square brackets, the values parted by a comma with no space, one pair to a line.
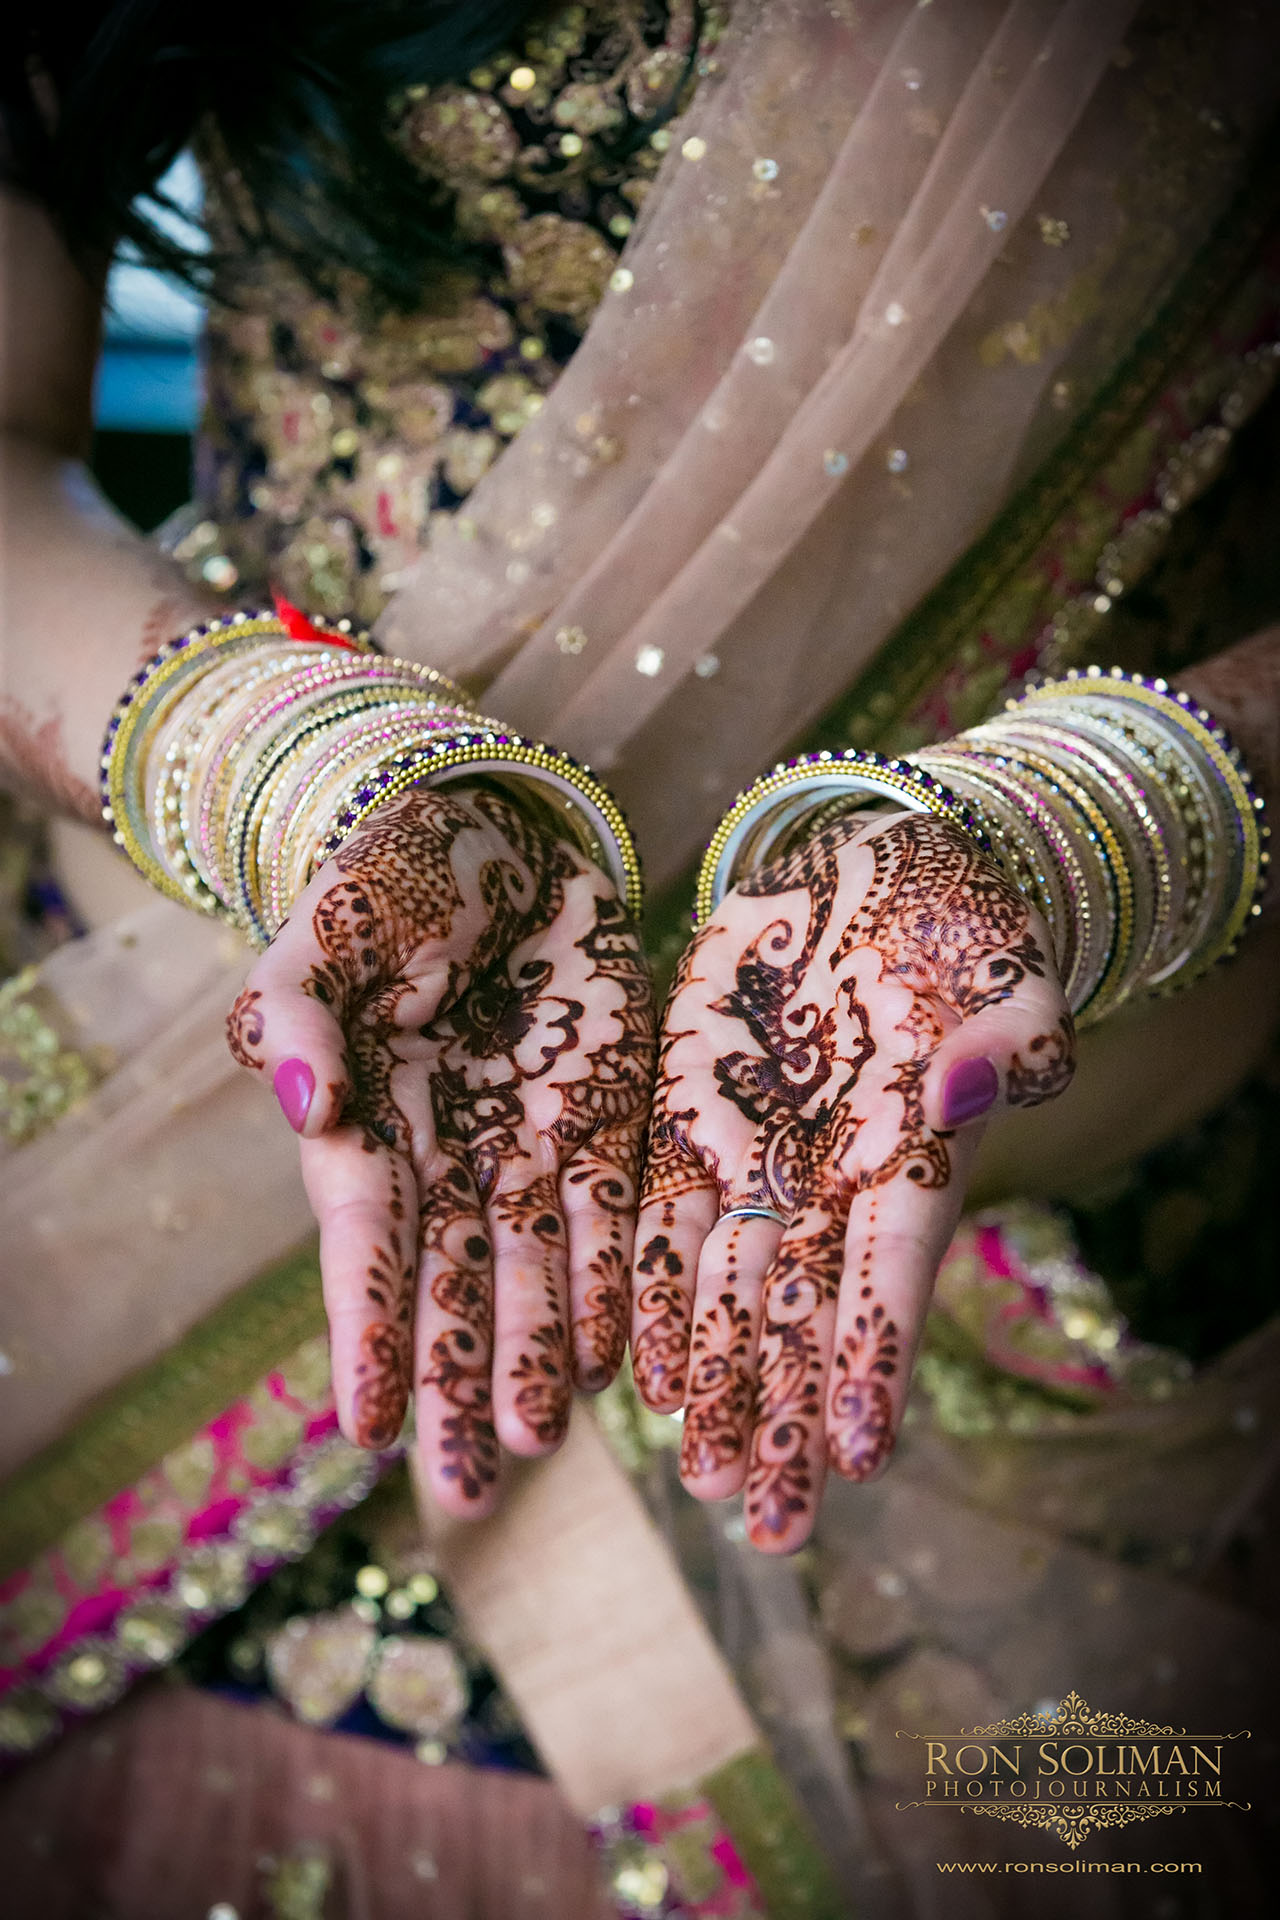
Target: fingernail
[971,1087]
[294,1083]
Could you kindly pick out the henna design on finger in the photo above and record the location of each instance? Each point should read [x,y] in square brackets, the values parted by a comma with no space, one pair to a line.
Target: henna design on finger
[460,1359]
[541,1369]
[659,1353]
[861,1436]
[717,1417]
[245,1029]
[782,1477]
[1050,1070]
[384,1367]
[601,1330]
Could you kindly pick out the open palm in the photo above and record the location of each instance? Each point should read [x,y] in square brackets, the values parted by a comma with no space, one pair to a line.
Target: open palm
[467,997]
[843,1013]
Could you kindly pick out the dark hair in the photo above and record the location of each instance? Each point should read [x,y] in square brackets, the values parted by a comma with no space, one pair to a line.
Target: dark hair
[96,100]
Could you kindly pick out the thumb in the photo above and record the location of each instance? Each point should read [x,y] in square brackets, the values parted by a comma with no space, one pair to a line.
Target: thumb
[281,1030]
[1016,1054]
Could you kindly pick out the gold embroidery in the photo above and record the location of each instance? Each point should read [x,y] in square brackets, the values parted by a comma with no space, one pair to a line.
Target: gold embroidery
[309,398]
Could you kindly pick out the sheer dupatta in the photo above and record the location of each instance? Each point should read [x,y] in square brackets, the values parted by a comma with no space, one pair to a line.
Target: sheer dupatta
[839,331]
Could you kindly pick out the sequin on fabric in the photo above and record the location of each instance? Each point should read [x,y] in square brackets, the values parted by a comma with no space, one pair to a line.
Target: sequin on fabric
[333,430]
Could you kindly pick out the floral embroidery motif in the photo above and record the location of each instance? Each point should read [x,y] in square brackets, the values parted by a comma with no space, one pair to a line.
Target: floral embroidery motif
[335,430]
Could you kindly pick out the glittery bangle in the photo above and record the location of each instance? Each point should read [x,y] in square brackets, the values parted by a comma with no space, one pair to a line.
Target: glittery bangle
[762,817]
[1085,899]
[259,852]
[1019,849]
[588,811]
[275,754]
[175,752]
[1158,883]
[299,789]
[1240,821]
[1092,834]
[142,706]
[237,762]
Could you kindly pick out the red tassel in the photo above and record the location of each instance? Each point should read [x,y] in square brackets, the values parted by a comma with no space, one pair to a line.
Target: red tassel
[298,627]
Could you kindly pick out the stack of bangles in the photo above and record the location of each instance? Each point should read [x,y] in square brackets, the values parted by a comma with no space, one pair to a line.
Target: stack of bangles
[243,754]
[1116,805]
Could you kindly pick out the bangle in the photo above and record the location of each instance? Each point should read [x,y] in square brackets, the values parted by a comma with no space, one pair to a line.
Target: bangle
[584,807]
[1117,806]
[246,750]
[1232,828]
[771,811]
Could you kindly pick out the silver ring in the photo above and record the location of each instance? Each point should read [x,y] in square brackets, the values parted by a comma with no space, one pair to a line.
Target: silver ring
[755,1213]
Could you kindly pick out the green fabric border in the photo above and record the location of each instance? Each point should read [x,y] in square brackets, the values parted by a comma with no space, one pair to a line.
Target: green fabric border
[131,1428]
[770,1831]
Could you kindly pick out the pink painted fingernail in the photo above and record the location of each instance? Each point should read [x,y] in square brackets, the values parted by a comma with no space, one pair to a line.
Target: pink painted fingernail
[971,1087]
[294,1083]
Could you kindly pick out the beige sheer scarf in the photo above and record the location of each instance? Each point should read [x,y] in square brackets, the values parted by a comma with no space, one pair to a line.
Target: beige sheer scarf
[883,236]
[845,328]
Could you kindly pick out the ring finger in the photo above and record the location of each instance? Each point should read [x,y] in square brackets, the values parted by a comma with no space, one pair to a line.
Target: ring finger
[719,1399]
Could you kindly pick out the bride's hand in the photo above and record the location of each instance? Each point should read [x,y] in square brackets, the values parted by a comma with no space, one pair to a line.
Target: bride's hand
[838,1033]
[458,1021]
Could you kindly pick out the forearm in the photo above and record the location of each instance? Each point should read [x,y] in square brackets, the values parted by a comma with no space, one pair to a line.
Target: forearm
[86,599]
[84,595]
[1153,1070]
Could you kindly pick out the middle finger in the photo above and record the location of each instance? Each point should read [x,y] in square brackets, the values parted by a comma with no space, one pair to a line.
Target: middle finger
[788,1463]
[719,1402]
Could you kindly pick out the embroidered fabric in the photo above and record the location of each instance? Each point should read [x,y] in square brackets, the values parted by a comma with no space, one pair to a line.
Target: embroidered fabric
[809,387]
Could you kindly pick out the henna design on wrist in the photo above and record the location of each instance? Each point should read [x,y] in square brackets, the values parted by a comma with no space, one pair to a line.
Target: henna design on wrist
[34,762]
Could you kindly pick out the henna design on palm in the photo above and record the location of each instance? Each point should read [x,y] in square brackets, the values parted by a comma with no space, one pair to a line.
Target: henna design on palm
[804,1035]
[488,1023]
